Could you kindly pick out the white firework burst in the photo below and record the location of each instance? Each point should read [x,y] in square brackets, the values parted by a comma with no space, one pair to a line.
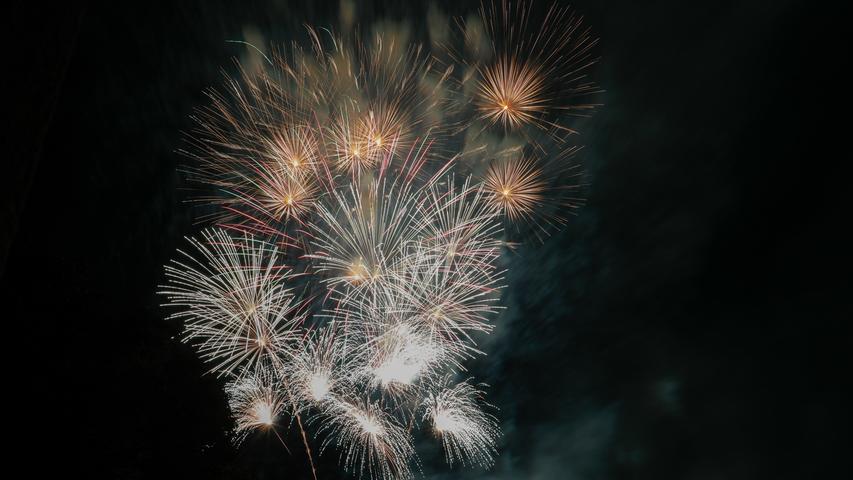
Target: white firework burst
[401,356]
[321,366]
[450,301]
[460,225]
[234,300]
[371,441]
[256,400]
[359,233]
[467,433]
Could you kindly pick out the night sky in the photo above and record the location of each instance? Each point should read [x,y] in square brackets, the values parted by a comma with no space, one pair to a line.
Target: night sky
[692,322]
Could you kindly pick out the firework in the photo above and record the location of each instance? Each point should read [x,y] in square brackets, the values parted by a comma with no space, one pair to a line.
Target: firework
[256,400]
[401,355]
[234,301]
[511,93]
[467,433]
[450,300]
[534,195]
[279,193]
[293,147]
[442,281]
[458,225]
[259,155]
[360,232]
[320,366]
[370,440]
[534,73]
[363,163]
[516,188]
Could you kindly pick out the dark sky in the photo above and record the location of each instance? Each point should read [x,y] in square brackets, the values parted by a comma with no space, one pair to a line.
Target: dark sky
[692,322]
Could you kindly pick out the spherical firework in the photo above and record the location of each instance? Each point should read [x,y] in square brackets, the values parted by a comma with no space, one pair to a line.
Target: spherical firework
[458,224]
[321,366]
[515,187]
[234,300]
[530,66]
[511,93]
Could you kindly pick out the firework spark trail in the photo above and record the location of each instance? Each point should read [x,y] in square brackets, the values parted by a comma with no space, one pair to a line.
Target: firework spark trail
[366,167]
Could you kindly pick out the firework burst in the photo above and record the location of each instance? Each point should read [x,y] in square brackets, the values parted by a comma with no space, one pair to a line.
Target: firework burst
[370,440]
[256,400]
[532,194]
[320,366]
[365,164]
[467,433]
[516,188]
[511,93]
[451,299]
[359,232]
[235,303]
[530,66]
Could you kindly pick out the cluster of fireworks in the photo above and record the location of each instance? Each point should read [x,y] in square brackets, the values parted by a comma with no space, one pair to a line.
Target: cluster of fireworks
[362,195]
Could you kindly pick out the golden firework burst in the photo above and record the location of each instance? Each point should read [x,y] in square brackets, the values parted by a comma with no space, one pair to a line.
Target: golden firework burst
[285,193]
[352,147]
[511,92]
[515,187]
[294,147]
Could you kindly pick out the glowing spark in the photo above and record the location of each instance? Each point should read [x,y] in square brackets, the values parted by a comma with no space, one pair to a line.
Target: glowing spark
[403,354]
[319,385]
[319,366]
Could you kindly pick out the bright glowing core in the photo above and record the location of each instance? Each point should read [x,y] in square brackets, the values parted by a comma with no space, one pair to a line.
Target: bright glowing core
[319,386]
[263,413]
